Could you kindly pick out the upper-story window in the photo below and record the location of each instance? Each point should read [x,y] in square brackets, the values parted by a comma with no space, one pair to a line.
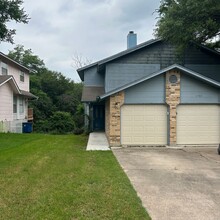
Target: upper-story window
[4,68]
[22,76]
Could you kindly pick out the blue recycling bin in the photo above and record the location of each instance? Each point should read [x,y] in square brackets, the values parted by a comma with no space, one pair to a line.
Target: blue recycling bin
[27,127]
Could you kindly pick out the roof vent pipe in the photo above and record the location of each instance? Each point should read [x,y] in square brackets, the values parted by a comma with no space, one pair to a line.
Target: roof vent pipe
[131,39]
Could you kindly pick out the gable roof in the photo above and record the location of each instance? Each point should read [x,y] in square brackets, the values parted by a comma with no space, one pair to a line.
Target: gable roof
[207,48]
[12,82]
[175,66]
[4,78]
[10,79]
[131,50]
[7,59]
[118,55]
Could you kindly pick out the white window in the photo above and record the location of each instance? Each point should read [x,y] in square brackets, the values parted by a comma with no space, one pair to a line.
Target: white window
[14,104]
[22,76]
[4,68]
[21,105]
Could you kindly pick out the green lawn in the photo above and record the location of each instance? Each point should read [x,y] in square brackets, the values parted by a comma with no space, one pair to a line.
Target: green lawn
[53,177]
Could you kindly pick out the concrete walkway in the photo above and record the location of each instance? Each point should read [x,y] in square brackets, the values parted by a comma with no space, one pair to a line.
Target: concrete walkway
[97,141]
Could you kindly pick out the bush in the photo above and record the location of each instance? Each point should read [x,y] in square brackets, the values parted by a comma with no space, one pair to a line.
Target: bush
[61,122]
[79,116]
[41,126]
[78,131]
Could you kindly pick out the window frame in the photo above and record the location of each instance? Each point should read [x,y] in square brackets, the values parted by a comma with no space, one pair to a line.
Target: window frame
[4,68]
[15,104]
[21,105]
[22,76]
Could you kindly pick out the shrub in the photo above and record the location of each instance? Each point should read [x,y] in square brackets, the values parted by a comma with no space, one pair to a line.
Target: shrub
[61,122]
[41,126]
[78,131]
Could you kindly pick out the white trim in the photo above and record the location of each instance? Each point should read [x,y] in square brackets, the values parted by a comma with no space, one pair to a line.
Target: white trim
[15,84]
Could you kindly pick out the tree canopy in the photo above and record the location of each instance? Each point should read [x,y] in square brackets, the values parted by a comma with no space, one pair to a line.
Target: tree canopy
[59,97]
[26,58]
[183,21]
[11,10]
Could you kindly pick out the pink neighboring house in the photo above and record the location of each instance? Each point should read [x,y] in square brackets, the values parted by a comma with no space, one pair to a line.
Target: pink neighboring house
[14,95]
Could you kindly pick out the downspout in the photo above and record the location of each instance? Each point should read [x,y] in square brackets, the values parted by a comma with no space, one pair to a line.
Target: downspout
[168,125]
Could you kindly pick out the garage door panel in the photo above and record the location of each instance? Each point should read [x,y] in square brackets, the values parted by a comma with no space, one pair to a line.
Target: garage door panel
[202,140]
[199,120]
[127,139]
[143,124]
[198,124]
[199,129]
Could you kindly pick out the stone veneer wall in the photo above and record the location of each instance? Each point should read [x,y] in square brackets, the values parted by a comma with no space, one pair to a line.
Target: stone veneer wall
[107,121]
[113,118]
[173,100]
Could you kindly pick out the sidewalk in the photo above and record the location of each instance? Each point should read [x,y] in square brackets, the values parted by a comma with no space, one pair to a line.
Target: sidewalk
[97,141]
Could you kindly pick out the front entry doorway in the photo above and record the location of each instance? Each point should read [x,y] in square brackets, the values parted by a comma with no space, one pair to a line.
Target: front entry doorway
[98,117]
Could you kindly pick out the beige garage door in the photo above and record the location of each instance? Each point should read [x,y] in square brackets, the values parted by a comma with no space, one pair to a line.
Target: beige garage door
[143,125]
[198,124]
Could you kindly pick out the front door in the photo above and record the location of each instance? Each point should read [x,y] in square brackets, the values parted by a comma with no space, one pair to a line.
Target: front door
[98,117]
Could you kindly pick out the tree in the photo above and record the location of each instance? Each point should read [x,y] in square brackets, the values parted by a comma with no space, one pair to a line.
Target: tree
[183,21]
[10,11]
[80,61]
[58,97]
[27,58]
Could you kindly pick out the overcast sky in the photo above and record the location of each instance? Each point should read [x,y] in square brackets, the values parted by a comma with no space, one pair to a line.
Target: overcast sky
[96,29]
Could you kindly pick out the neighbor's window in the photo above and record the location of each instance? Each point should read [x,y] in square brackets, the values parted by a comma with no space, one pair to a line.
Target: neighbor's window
[14,104]
[22,76]
[21,105]
[4,67]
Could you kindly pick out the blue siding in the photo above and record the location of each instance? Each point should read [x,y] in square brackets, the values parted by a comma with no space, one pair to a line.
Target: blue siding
[194,91]
[211,71]
[93,78]
[120,74]
[158,53]
[165,54]
[150,91]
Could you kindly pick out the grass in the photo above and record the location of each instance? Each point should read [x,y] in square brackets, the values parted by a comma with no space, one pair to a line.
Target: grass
[53,177]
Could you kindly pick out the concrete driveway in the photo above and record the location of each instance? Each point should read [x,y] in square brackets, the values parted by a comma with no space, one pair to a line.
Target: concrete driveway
[175,183]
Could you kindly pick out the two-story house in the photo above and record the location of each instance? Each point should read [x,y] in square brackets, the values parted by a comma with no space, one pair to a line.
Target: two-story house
[147,95]
[14,95]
